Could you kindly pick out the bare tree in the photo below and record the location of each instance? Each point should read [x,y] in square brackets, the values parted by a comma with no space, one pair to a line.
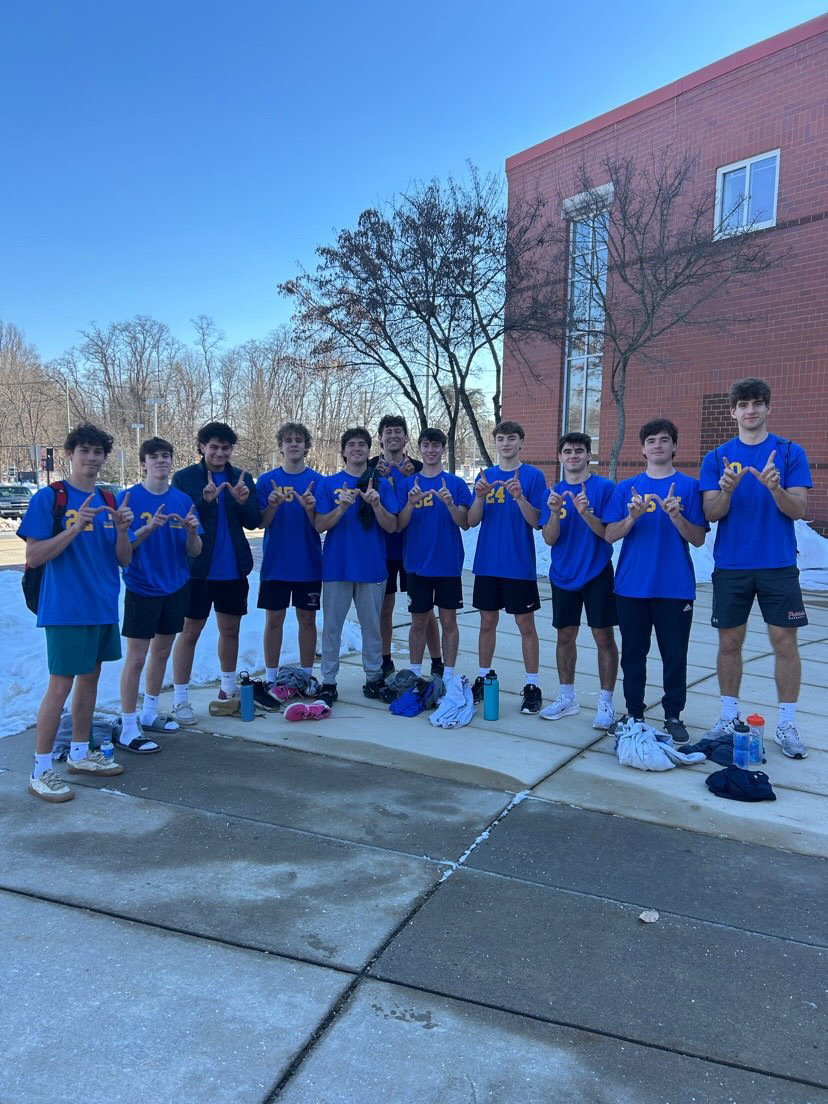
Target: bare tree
[30,401]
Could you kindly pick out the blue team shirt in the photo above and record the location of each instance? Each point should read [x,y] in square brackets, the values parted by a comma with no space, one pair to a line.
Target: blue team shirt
[350,553]
[433,544]
[506,543]
[223,562]
[160,564]
[579,555]
[655,558]
[394,541]
[755,533]
[292,549]
[81,585]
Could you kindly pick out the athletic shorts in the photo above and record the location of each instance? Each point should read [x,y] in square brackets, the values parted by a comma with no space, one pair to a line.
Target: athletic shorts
[146,617]
[597,597]
[513,595]
[395,569]
[78,649]
[777,589]
[274,594]
[225,595]
[427,591]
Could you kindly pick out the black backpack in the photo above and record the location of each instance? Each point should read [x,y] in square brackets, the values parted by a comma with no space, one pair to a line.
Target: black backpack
[33,576]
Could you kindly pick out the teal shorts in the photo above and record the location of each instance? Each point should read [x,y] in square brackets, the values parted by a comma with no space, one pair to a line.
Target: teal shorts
[78,649]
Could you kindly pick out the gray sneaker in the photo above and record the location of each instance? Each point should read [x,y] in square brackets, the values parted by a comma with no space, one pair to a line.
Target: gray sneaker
[184,714]
[722,728]
[788,739]
[50,787]
[94,762]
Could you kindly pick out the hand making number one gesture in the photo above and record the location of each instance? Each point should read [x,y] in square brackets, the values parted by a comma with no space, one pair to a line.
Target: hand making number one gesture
[670,505]
[415,494]
[444,494]
[308,499]
[123,516]
[240,491]
[211,491]
[275,498]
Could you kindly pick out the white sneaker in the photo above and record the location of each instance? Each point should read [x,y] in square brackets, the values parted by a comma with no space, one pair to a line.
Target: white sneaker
[94,762]
[49,787]
[722,728]
[184,714]
[788,739]
[604,716]
[560,707]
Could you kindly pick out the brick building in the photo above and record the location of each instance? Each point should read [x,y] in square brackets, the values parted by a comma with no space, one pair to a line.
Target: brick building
[758,121]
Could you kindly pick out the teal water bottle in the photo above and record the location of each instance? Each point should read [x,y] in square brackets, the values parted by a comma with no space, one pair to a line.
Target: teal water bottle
[491,697]
[246,696]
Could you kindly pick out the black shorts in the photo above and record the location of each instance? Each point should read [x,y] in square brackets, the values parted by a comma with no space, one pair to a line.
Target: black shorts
[427,591]
[597,597]
[146,617]
[395,570]
[274,594]
[513,595]
[777,589]
[225,595]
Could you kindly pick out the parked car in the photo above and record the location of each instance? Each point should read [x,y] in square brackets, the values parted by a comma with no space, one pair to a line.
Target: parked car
[14,499]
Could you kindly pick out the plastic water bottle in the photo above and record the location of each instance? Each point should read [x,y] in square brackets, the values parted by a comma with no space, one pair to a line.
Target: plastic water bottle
[741,745]
[756,744]
[108,749]
[246,696]
[491,697]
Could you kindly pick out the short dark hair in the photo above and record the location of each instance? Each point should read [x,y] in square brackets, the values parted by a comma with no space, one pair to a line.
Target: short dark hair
[509,427]
[154,444]
[394,421]
[220,431]
[658,425]
[353,434]
[295,428]
[88,434]
[576,439]
[432,434]
[750,388]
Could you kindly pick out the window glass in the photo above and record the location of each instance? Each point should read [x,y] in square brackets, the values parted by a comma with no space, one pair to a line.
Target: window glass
[762,188]
[733,199]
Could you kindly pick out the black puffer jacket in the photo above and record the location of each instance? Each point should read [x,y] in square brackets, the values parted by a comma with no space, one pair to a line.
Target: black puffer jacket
[192,482]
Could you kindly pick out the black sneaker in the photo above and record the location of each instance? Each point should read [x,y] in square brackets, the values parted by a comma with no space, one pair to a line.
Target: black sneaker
[438,667]
[373,688]
[678,733]
[388,668]
[477,688]
[328,694]
[263,699]
[532,699]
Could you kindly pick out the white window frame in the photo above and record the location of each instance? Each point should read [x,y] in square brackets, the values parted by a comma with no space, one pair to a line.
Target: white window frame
[745,164]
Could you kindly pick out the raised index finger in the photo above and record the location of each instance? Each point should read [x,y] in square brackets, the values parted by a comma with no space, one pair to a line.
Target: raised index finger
[670,492]
[769,464]
[86,503]
[125,500]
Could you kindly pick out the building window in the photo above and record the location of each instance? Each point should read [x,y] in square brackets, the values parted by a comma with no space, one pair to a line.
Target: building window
[587,283]
[746,194]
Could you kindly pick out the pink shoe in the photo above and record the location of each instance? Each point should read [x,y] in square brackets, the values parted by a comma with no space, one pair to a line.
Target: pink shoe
[297,712]
[318,710]
[283,693]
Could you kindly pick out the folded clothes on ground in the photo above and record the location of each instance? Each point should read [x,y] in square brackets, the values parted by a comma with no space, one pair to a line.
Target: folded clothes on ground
[456,707]
[740,785]
[637,745]
[294,678]
[717,748]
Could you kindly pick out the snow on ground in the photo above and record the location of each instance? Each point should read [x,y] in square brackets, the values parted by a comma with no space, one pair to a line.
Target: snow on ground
[24,677]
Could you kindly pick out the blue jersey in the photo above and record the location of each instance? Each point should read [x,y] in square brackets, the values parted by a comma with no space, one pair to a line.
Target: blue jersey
[655,558]
[755,533]
[506,543]
[292,550]
[394,541]
[223,562]
[350,552]
[81,585]
[578,555]
[433,544]
[160,564]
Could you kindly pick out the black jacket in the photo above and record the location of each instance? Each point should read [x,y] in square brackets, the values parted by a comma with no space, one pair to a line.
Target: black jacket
[192,482]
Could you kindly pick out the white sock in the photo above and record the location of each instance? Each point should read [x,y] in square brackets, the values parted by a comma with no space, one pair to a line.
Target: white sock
[181,694]
[270,674]
[150,710]
[78,750]
[532,680]
[42,763]
[417,668]
[730,708]
[787,713]
[129,730]
[483,671]
[605,697]
[228,682]
[568,691]
[448,672]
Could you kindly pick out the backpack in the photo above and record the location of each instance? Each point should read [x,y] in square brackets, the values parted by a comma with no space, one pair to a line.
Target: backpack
[33,576]
[414,701]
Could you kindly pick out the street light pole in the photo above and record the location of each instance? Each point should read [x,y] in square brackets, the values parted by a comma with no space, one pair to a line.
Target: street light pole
[154,403]
[138,426]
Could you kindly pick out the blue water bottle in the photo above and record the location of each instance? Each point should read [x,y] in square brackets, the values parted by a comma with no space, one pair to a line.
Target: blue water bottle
[246,696]
[741,744]
[491,697]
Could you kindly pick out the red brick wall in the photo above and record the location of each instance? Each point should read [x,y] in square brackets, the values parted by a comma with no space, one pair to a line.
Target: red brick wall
[776,101]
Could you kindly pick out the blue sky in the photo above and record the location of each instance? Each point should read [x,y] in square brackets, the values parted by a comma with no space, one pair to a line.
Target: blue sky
[181,158]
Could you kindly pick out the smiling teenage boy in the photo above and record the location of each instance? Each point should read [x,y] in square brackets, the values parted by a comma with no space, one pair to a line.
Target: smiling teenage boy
[355,509]
[78,604]
[657,514]
[755,486]
[507,503]
[225,499]
[580,571]
[292,553]
[157,584]
[434,508]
